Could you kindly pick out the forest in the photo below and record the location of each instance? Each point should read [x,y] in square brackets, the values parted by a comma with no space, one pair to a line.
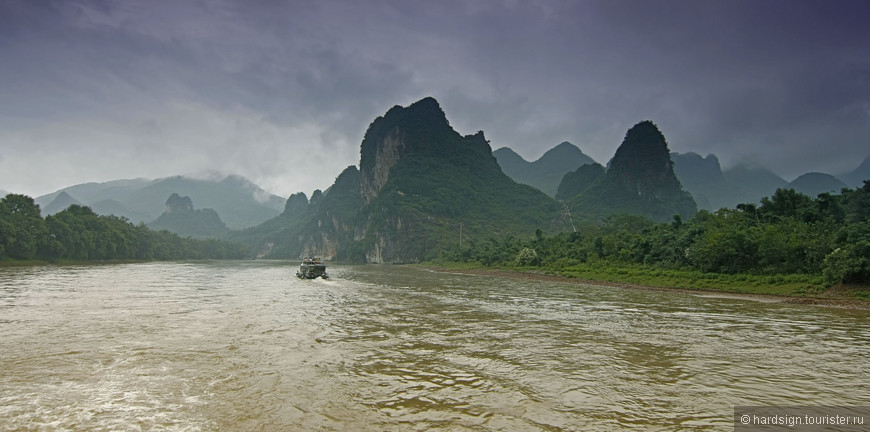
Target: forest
[789,233]
[79,234]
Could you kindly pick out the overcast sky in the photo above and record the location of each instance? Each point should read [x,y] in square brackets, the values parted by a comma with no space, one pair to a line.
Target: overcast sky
[281,92]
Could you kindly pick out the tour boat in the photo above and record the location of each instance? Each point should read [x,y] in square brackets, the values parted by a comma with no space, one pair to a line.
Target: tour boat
[312,268]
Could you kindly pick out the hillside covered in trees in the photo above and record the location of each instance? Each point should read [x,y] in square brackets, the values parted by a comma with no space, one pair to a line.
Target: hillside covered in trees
[77,233]
[788,233]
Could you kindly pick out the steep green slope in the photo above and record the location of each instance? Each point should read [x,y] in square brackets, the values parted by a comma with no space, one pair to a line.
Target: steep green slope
[422,180]
[576,182]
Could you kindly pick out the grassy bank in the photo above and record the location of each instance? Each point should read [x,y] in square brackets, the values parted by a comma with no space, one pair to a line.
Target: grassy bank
[791,286]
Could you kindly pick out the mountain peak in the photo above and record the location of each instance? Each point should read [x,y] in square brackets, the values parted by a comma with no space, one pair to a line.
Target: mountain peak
[642,164]
[644,147]
[640,179]
[59,203]
[815,183]
[179,204]
[421,128]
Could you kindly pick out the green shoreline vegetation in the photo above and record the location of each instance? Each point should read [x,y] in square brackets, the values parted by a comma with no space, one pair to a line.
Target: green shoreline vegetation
[789,245]
[796,288]
[77,234]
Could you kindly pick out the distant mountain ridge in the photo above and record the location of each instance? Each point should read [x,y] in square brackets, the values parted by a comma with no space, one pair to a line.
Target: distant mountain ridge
[814,183]
[856,177]
[546,172]
[702,176]
[239,202]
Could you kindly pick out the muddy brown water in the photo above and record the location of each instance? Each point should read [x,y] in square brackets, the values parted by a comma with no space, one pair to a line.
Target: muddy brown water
[245,345]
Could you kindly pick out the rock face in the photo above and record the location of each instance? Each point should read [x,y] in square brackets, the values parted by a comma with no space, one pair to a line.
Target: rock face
[640,181]
[376,172]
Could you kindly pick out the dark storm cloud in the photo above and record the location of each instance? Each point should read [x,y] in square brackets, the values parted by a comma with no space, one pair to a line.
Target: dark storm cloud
[121,88]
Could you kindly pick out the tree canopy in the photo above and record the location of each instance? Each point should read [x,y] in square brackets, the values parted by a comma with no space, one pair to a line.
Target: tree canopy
[789,233]
[78,233]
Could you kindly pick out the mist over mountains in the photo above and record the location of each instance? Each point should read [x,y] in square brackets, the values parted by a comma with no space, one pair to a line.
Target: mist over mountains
[546,172]
[421,187]
[702,176]
[239,202]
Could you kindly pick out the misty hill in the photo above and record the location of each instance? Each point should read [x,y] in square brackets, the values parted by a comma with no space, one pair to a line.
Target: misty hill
[713,189]
[241,203]
[88,193]
[59,203]
[181,218]
[855,179]
[813,184]
[754,182]
[640,180]
[703,178]
[545,173]
[418,181]
[113,207]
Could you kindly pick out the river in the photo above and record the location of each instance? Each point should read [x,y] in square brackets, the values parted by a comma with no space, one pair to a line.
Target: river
[245,346]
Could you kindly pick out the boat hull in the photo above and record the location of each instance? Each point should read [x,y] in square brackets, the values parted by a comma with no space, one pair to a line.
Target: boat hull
[311,271]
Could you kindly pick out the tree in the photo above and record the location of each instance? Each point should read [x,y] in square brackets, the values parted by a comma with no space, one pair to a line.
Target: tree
[23,230]
[526,256]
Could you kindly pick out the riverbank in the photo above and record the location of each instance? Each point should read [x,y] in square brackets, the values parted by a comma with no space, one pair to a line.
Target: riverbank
[779,291]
